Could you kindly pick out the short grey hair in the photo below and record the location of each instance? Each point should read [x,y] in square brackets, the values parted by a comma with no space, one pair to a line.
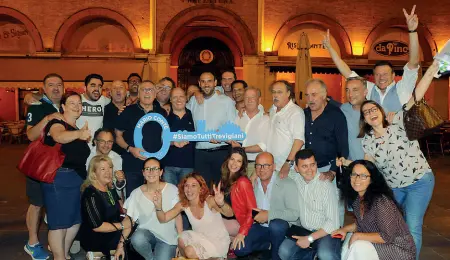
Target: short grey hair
[258,91]
[318,81]
[358,78]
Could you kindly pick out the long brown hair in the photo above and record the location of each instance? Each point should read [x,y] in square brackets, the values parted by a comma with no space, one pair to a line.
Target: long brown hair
[227,180]
[364,127]
[204,190]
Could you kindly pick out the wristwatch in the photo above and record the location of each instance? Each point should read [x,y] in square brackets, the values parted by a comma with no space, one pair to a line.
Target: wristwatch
[412,31]
[128,149]
[290,162]
[310,239]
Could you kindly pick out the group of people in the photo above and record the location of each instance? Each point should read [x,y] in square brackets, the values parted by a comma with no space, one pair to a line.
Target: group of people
[274,193]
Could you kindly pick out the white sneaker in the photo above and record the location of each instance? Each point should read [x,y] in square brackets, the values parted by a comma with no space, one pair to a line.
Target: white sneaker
[75,248]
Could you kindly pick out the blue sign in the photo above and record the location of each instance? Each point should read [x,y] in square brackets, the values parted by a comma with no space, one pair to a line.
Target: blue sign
[226,132]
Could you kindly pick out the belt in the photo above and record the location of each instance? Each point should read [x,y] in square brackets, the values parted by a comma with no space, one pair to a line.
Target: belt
[219,148]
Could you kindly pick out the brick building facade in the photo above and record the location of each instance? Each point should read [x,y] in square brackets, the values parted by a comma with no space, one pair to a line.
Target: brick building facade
[164,38]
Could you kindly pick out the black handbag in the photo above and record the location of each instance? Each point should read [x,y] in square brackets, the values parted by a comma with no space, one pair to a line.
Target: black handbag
[127,247]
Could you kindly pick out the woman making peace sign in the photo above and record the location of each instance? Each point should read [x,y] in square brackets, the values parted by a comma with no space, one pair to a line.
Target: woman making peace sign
[204,213]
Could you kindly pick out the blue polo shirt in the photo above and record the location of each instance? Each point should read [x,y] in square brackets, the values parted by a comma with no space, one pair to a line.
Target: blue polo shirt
[327,135]
[355,147]
[151,133]
[181,157]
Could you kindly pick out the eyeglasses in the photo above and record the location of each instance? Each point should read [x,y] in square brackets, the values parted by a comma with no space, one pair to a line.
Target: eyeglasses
[263,166]
[102,142]
[361,176]
[151,169]
[147,90]
[370,110]
[165,88]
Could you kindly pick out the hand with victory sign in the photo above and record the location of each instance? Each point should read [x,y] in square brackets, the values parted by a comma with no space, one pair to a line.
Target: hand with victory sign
[219,198]
[411,19]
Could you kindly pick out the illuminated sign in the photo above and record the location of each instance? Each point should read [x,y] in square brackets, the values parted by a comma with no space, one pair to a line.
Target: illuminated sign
[293,45]
[391,48]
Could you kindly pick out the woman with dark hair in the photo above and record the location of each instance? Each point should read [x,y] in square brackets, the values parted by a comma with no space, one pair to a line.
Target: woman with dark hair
[400,160]
[239,193]
[208,237]
[62,197]
[153,240]
[380,232]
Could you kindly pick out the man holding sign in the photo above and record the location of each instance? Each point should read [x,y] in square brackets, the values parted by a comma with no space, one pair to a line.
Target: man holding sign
[216,110]
[133,159]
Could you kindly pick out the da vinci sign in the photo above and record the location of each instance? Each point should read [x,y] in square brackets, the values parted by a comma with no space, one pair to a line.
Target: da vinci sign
[391,48]
[289,45]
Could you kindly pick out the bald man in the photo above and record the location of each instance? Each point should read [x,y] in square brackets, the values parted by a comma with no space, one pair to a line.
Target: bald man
[118,96]
[277,209]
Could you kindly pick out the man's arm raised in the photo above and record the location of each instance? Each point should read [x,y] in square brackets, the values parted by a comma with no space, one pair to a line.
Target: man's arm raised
[343,68]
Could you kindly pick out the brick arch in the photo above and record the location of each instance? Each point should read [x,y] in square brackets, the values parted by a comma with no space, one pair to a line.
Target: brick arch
[239,31]
[70,25]
[428,45]
[336,30]
[29,25]
[177,45]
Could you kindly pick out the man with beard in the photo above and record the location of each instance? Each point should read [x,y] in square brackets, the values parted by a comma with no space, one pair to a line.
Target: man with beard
[112,110]
[93,104]
[216,110]
[133,81]
[151,133]
[228,77]
[37,118]
[389,94]
[238,88]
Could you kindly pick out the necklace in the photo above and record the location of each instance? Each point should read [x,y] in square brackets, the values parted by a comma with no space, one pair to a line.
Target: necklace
[110,197]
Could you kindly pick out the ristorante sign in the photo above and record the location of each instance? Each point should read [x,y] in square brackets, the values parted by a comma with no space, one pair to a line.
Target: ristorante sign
[391,48]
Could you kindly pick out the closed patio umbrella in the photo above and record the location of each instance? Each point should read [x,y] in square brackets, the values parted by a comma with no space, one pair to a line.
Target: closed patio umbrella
[303,71]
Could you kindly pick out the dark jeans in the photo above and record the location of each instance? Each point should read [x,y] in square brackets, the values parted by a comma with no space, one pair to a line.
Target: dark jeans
[134,180]
[326,248]
[208,164]
[259,238]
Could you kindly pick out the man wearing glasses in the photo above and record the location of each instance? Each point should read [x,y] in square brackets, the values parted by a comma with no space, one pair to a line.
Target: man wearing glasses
[163,88]
[151,132]
[277,209]
[102,145]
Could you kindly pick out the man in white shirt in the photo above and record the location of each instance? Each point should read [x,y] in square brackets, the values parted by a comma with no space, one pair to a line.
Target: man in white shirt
[287,127]
[255,124]
[276,206]
[389,94]
[319,215]
[216,110]
[93,104]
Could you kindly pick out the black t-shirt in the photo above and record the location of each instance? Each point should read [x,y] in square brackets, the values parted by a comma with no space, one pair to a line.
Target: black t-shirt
[76,151]
[151,133]
[97,208]
[109,122]
[181,157]
[36,113]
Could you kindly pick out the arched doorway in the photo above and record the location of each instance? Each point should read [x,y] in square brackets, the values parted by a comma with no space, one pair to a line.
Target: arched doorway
[200,55]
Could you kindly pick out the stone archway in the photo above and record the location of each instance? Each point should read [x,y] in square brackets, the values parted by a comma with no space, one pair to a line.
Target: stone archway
[29,25]
[236,27]
[428,45]
[336,30]
[83,16]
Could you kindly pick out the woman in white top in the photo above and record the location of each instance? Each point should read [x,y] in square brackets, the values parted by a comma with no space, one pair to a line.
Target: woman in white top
[152,239]
[208,237]
[400,160]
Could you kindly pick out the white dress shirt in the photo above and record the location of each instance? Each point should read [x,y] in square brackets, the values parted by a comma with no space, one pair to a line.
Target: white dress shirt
[263,198]
[318,203]
[286,125]
[115,157]
[405,86]
[216,111]
[256,130]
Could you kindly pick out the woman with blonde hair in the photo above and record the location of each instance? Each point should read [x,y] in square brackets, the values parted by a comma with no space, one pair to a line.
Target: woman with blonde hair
[101,229]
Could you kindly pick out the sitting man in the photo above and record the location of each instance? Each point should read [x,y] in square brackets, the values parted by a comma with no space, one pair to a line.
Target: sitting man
[319,216]
[277,209]
[102,145]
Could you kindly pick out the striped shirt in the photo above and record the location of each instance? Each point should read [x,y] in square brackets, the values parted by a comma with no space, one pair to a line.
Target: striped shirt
[318,203]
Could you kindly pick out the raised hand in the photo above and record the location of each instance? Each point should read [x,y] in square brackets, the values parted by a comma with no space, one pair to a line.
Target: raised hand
[411,19]
[85,133]
[326,40]
[157,199]
[218,195]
